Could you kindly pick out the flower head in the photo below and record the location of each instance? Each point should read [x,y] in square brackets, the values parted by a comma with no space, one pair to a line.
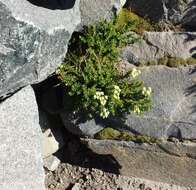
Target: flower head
[136,109]
[104,113]
[117,91]
[99,95]
[146,91]
[135,72]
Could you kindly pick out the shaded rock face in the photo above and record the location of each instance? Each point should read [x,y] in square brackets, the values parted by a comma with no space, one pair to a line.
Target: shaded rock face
[20,147]
[173,112]
[189,18]
[165,162]
[94,10]
[33,41]
[156,45]
[176,11]
[77,124]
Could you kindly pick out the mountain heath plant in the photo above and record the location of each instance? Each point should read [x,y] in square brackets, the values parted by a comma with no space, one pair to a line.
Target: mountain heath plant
[90,73]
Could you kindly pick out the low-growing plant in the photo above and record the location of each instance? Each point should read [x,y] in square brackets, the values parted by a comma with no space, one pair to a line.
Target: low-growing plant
[139,24]
[90,73]
[170,62]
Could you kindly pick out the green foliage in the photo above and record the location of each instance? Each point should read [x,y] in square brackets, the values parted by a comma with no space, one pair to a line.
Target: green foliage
[90,73]
[105,39]
[113,134]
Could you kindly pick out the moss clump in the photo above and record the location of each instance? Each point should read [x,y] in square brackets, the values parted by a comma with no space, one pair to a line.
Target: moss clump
[176,62]
[139,24]
[170,62]
[113,134]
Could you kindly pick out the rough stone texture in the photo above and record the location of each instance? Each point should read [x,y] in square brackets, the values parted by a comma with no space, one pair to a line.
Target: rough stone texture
[95,179]
[189,17]
[174,104]
[164,162]
[20,147]
[52,139]
[173,112]
[33,40]
[156,45]
[51,162]
[176,11]
[94,10]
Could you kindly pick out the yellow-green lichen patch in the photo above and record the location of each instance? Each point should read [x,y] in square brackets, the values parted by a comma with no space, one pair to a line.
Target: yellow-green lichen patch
[113,134]
[140,24]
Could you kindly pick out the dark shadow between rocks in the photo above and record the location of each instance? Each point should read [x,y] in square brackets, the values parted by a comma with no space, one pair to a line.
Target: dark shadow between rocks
[76,153]
[54,4]
[151,9]
[192,90]
[73,151]
[193,52]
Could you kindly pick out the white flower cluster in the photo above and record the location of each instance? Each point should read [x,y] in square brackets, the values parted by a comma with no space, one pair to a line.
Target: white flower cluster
[136,109]
[146,91]
[135,72]
[104,114]
[101,97]
[117,91]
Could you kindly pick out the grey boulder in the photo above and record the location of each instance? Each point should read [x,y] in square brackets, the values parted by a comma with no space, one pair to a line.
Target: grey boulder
[21,165]
[164,162]
[33,40]
[156,45]
[173,111]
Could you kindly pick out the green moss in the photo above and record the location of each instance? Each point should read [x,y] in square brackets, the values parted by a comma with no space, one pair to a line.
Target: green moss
[170,62]
[148,63]
[140,24]
[176,62]
[113,134]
